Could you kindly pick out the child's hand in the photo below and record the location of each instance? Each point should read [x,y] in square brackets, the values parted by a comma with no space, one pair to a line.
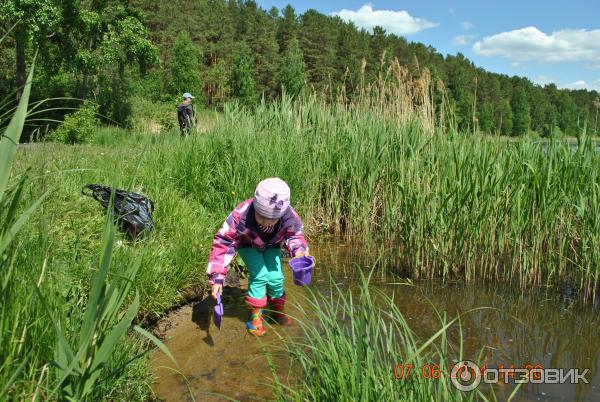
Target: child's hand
[302,254]
[217,289]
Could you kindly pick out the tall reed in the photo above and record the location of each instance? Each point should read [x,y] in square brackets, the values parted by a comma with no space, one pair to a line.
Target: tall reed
[397,94]
[445,205]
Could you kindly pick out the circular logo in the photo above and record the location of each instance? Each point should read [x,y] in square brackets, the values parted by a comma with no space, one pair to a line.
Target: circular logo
[465,375]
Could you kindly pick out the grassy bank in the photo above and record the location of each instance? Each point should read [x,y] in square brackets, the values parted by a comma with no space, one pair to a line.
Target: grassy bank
[442,205]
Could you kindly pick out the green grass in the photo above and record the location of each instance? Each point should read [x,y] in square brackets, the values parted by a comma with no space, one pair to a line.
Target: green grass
[48,351]
[359,347]
[442,204]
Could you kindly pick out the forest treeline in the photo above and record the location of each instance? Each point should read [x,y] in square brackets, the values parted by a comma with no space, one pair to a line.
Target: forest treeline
[117,52]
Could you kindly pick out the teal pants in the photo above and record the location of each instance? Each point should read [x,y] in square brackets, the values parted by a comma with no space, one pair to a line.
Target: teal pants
[266,277]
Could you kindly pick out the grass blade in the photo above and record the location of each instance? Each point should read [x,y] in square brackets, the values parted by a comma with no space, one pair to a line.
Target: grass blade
[10,139]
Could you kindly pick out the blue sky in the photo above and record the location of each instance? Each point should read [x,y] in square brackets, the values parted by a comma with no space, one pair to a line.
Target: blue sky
[546,41]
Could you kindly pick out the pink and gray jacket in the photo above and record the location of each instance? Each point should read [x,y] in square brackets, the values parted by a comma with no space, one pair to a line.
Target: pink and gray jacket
[240,230]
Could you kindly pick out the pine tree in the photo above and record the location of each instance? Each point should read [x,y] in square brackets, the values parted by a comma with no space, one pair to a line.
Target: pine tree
[460,84]
[352,47]
[185,68]
[318,41]
[504,117]
[217,83]
[485,117]
[287,28]
[521,112]
[379,43]
[260,35]
[543,117]
[488,94]
[243,86]
[220,20]
[567,113]
[292,74]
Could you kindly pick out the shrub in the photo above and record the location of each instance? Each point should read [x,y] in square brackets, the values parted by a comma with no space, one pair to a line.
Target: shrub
[150,116]
[167,120]
[557,133]
[78,127]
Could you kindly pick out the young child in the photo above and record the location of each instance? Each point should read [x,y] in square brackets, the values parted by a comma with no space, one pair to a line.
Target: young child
[256,229]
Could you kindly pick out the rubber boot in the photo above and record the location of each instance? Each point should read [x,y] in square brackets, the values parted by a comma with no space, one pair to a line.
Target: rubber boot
[255,320]
[277,305]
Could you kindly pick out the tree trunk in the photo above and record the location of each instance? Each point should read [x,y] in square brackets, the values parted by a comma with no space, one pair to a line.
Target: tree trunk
[500,126]
[20,39]
[84,84]
[86,74]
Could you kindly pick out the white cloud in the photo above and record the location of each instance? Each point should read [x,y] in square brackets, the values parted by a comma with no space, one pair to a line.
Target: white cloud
[579,84]
[532,44]
[544,80]
[397,22]
[468,25]
[462,40]
[515,64]
[582,84]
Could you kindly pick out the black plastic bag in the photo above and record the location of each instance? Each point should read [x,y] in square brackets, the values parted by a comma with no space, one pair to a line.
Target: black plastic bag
[133,211]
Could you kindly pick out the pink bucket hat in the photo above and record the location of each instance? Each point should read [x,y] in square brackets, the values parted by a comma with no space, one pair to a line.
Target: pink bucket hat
[272,198]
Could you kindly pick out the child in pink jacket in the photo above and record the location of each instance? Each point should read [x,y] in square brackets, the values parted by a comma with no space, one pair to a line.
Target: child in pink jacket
[256,229]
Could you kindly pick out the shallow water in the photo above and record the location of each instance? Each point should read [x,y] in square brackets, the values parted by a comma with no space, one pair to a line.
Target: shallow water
[517,329]
[217,363]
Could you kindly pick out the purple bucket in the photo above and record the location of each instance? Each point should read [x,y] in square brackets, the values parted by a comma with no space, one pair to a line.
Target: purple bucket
[302,269]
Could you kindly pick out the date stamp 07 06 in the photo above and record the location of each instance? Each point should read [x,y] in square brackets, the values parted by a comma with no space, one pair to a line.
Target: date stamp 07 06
[467,375]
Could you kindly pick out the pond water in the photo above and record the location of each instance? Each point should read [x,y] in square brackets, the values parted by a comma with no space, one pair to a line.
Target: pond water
[574,146]
[517,329]
[596,145]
